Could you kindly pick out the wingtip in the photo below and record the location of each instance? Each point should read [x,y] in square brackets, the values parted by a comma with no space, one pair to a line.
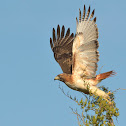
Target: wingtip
[68,32]
[89,8]
[95,19]
[58,26]
[93,11]
[72,34]
[51,44]
[63,28]
[84,7]
[79,15]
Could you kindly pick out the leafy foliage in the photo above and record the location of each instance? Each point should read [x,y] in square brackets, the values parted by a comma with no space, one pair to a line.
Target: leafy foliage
[94,110]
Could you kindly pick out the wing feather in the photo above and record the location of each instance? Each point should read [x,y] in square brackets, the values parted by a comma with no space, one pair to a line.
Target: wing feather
[83,13]
[79,15]
[62,48]
[62,32]
[58,32]
[64,40]
[54,36]
[85,46]
[87,15]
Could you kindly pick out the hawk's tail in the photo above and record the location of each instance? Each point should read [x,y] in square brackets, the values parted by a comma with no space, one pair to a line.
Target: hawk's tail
[103,76]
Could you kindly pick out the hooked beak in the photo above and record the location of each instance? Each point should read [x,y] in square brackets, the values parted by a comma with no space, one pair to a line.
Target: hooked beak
[57,78]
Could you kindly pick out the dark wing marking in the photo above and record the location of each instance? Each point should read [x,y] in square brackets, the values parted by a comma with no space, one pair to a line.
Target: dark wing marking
[62,48]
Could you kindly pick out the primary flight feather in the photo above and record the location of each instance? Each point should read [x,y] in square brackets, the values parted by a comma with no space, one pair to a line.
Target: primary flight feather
[78,55]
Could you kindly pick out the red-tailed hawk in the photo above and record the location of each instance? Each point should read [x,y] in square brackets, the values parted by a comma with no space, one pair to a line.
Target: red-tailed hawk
[78,56]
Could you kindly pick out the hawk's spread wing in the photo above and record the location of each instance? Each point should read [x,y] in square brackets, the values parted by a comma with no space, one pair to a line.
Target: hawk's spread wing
[62,48]
[85,54]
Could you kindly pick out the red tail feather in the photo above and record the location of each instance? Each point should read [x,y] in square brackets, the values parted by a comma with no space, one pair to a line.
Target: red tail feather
[105,75]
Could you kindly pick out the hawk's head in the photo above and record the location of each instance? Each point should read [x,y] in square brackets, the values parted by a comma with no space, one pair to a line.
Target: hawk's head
[60,77]
[63,77]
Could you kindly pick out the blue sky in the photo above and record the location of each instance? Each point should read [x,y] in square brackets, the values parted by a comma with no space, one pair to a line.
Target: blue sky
[28,94]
